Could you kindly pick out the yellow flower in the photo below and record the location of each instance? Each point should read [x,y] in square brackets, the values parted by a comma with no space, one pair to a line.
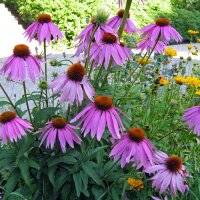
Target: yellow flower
[195,53]
[192,32]
[170,52]
[143,61]
[189,47]
[179,80]
[137,184]
[198,40]
[193,81]
[197,92]
[163,81]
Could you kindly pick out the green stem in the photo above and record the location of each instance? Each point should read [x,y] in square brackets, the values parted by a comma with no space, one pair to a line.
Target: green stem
[91,69]
[45,65]
[125,16]
[97,77]
[25,94]
[68,111]
[10,101]
[89,47]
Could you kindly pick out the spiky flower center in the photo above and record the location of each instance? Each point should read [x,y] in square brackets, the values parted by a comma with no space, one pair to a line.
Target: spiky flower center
[59,122]
[109,38]
[7,116]
[136,134]
[103,102]
[76,72]
[21,50]
[162,22]
[120,13]
[44,18]
[122,44]
[174,163]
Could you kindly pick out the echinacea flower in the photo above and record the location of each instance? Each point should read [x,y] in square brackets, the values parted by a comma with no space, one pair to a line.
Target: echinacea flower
[192,118]
[59,129]
[109,48]
[116,21]
[134,148]
[162,28]
[148,45]
[12,127]
[169,174]
[44,28]
[20,63]
[73,85]
[96,115]
[86,34]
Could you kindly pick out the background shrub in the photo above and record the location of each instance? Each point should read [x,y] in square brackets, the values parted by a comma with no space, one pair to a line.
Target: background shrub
[72,16]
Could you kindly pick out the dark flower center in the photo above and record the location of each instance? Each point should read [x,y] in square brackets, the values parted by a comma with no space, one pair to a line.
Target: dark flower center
[103,102]
[174,163]
[7,116]
[59,122]
[44,18]
[136,134]
[122,44]
[109,38]
[120,13]
[21,50]
[162,22]
[76,72]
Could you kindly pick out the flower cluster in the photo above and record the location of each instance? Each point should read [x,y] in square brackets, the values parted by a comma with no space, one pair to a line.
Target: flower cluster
[193,32]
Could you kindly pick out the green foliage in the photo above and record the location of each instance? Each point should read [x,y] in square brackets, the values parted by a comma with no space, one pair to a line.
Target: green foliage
[72,16]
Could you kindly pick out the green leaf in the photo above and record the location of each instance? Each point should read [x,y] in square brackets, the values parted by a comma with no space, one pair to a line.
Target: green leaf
[3,103]
[91,172]
[33,164]
[84,178]
[12,180]
[64,159]
[98,149]
[24,168]
[78,183]
[51,175]
[62,178]
[29,98]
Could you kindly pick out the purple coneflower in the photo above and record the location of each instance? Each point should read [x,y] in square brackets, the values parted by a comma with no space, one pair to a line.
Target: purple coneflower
[162,28]
[147,45]
[44,28]
[170,174]
[15,66]
[12,127]
[96,115]
[109,48]
[192,118]
[58,128]
[134,147]
[73,85]
[116,21]
[85,35]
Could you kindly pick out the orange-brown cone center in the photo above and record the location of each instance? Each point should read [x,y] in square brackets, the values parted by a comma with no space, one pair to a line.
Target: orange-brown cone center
[136,134]
[103,102]
[162,22]
[44,18]
[59,122]
[109,38]
[7,116]
[120,13]
[122,44]
[21,50]
[174,163]
[76,72]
